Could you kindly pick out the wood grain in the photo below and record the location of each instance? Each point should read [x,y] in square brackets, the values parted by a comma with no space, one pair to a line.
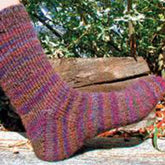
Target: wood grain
[100,74]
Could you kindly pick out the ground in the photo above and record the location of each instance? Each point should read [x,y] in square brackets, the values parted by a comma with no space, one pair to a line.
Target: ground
[98,151]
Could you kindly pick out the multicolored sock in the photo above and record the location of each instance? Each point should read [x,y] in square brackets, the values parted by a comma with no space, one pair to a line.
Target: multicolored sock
[58,119]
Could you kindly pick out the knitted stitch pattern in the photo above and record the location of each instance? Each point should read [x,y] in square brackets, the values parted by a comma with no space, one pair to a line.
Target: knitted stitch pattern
[58,119]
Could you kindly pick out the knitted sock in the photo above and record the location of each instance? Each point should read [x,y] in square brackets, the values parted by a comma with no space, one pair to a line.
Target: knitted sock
[58,119]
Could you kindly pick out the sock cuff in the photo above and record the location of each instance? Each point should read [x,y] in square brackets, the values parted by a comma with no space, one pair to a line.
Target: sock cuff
[13,15]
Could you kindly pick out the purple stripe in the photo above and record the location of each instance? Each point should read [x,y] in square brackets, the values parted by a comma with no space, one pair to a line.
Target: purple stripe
[5,46]
[101,125]
[18,40]
[14,64]
[45,135]
[35,127]
[140,103]
[100,113]
[22,43]
[2,73]
[114,109]
[80,122]
[50,145]
[132,110]
[38,95]
[69,100]
[55,139]
[27,82]
[61,96]
[20,85]
[94,112]
[67,149]
[141,88]
[65,133]
[145,97]
[150,93]
[142,98]
[161,81]
[160,85]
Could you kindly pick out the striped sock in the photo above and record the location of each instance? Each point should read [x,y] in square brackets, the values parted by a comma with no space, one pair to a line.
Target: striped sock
[58,119]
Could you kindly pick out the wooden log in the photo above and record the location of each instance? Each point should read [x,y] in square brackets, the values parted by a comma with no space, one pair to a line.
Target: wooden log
[100,74]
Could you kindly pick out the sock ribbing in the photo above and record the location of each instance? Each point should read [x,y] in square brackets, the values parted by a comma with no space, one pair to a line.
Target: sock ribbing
[57,118]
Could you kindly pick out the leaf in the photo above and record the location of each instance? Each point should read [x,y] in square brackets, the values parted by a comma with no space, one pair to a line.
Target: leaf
[155,138]
[163,73]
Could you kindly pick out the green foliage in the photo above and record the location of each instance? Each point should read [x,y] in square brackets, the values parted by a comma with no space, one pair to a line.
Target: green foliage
[99,28]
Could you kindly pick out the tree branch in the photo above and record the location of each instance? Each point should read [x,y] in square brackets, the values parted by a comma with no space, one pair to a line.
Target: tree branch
[55,31]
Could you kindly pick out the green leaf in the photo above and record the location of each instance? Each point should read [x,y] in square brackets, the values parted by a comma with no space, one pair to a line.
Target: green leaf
[155,138]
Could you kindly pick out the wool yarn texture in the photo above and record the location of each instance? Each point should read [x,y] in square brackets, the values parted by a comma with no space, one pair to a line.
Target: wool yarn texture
[59,119]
